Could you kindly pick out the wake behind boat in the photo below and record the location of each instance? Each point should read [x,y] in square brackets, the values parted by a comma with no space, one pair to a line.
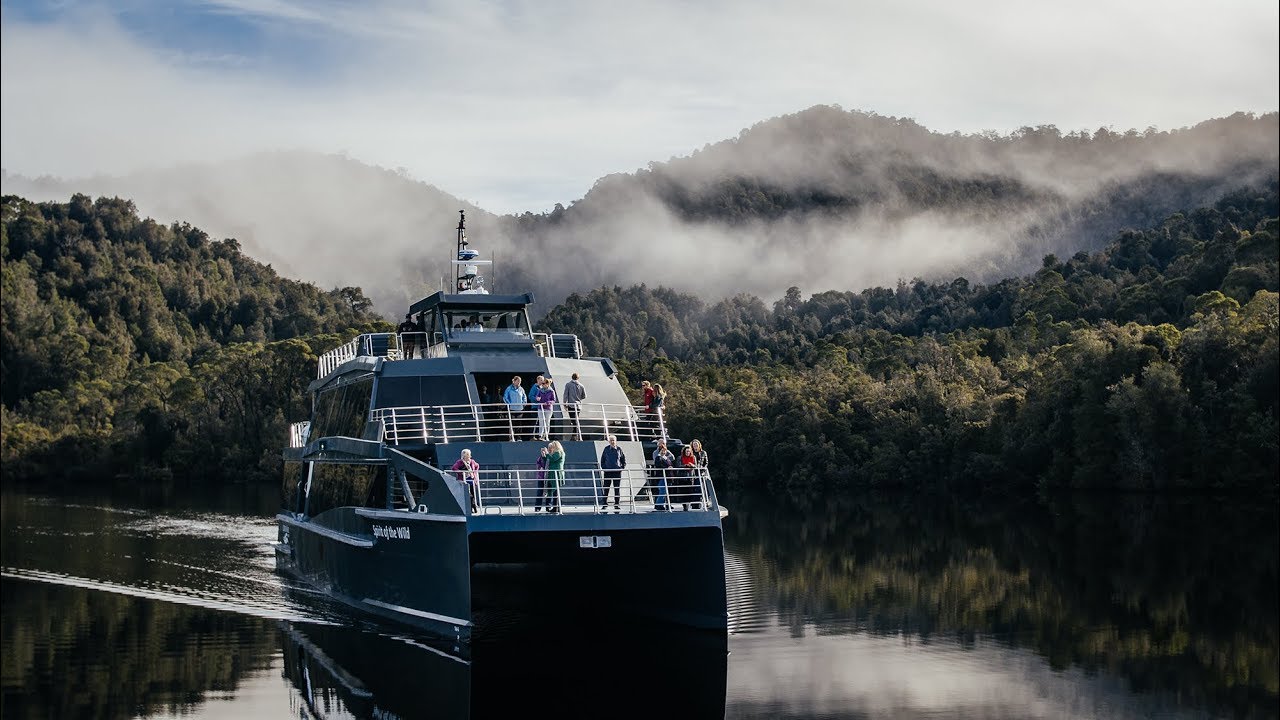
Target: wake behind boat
[385,511]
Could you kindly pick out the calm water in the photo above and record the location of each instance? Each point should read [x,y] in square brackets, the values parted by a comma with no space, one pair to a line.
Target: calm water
[150,601]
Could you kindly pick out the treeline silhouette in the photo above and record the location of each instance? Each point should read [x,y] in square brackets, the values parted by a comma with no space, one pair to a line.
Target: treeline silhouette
[1150,364]
[131,347]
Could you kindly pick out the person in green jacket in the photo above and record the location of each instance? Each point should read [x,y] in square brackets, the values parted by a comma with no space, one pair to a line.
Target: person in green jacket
[555,475]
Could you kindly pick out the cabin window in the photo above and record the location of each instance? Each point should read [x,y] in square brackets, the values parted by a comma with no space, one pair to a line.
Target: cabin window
[419,391]
[342,410]
[335,485]
[509,321]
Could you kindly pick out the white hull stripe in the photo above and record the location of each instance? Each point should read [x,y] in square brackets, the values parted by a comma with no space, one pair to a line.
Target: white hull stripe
[331,534]
[419,613]
[406,515]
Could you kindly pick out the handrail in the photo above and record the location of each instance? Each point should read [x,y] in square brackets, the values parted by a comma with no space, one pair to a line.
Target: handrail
[525,491]
[414,345]
[299,432]
[496,422]
[546,344]
[383,345]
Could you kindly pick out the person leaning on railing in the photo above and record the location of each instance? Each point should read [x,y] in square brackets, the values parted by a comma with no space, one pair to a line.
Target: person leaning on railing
[468,471]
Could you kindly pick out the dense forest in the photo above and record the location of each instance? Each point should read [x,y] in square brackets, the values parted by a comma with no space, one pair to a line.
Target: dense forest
[134,347]
[1149,364]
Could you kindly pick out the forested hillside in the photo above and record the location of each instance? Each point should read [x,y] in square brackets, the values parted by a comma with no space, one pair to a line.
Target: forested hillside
[129,346]
[1149,364]
[875,198]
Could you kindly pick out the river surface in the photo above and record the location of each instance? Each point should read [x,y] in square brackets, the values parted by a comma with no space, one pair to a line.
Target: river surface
[158,600]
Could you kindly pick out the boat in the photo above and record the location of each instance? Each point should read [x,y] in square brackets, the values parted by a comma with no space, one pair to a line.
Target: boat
[376,515]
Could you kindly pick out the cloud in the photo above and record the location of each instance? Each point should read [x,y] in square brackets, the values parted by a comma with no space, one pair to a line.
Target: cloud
[516,105]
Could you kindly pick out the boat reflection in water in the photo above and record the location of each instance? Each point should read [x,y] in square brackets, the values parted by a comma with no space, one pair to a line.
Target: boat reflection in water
[519,666]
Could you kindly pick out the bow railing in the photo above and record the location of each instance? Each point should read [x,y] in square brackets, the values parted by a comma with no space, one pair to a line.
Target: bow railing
[576,490]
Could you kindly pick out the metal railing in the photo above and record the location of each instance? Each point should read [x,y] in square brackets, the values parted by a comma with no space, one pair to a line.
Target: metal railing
[496,422]
[414,345]
[386,345]
[558,345]
[299,432]
[525,491]
[393,346]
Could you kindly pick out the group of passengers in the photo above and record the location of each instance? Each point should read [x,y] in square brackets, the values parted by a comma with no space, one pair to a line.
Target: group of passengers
[683,475]
[535,408]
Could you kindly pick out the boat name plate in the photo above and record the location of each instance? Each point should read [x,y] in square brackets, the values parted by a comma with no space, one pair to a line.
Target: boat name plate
[595,541]
[391,532]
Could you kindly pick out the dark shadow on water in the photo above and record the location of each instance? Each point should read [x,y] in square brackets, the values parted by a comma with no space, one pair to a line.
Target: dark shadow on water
[519,667]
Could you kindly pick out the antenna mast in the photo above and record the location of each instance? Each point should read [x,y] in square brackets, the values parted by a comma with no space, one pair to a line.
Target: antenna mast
[466,263]
[462,245]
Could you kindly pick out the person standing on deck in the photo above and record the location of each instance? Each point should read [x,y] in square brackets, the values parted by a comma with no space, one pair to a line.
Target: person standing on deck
[546,408]
[574,394]
[541,471]
[555,475]
[468,471]
[531,410]
[612,462]
[655,410]
[688,491]
[515,399]
[647,394]
[408,336]
[662,462]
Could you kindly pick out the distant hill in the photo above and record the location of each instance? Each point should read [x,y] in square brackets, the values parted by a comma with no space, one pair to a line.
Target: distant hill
[821,199]
[325,219]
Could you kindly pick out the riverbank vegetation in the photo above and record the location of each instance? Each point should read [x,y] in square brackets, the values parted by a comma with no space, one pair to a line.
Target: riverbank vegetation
[129,347]
[135,348]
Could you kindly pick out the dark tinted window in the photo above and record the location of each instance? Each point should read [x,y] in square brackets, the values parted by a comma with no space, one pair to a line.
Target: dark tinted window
[342,410]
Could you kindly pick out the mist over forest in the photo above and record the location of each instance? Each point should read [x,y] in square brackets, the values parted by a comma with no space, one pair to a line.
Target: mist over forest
[823,199]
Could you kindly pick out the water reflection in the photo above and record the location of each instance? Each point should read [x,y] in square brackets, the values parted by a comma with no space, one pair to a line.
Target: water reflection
[340,672]
[73,652]
[1080,607]
[1176,599]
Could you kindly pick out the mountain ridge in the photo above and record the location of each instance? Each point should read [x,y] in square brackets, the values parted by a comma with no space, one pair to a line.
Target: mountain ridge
[874,198]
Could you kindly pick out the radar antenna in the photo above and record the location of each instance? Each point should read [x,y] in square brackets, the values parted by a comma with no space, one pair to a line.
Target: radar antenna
[466,264]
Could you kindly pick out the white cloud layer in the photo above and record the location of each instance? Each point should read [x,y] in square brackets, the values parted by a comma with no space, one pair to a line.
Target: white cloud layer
[518,105]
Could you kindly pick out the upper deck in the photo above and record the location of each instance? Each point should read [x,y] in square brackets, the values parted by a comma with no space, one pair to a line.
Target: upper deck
[447,325]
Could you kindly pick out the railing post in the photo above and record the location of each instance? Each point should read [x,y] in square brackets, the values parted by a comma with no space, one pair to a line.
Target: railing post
[422,418]
[444,432]
[631,423]
[662,424]
[519,491]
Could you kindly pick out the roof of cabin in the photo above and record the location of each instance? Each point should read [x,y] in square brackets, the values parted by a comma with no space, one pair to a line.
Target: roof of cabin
[456,301]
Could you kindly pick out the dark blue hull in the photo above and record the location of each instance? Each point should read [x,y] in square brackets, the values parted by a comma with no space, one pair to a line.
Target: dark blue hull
[448,571]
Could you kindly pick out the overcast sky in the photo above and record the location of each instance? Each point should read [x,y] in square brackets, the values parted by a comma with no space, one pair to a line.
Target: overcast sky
[518,105]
